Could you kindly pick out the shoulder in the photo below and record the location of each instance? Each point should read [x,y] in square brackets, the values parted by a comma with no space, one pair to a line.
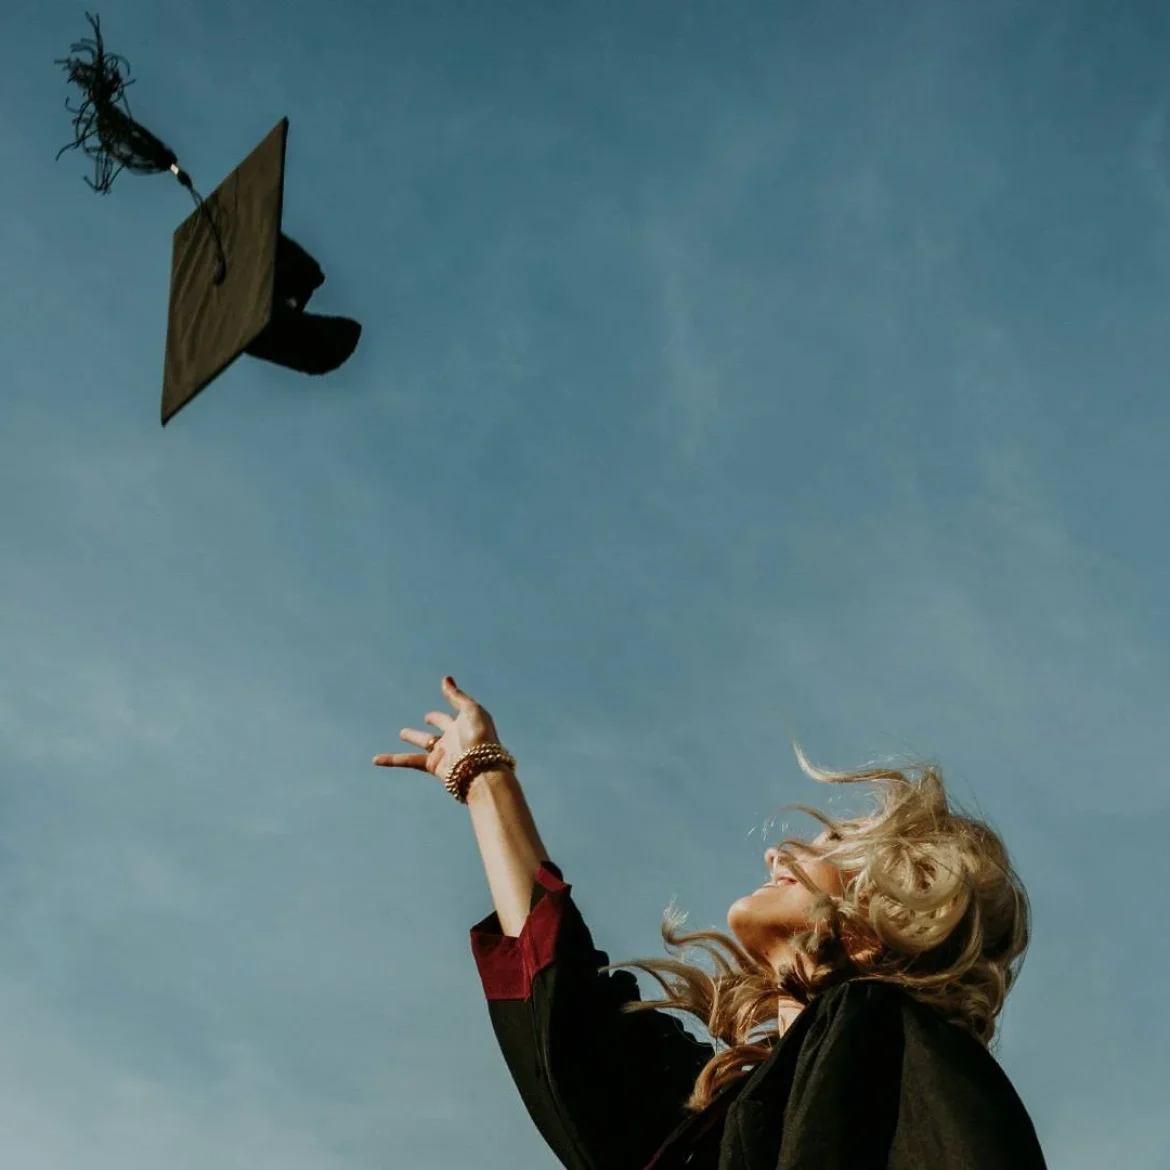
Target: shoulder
[890,1023]
[862,999]
[850,1034]
[933,1088]
[888,1009]
[866,1021]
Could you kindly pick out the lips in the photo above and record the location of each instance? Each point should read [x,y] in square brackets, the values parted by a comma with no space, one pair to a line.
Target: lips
[786,881]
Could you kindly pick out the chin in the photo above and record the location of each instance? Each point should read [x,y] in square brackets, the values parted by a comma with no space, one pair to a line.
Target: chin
[737,909]
[752,930]
[747,914]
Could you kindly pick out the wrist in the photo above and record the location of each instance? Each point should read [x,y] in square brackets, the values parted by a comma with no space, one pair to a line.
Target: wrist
[486,783]
[475,760]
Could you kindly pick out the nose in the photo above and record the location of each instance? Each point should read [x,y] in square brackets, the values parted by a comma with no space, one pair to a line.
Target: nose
[771,857]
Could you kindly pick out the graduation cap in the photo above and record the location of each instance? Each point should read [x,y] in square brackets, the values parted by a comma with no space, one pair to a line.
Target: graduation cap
[239,285]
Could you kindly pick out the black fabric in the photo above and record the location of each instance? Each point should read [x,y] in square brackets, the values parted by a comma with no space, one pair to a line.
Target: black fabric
[257,308]
[603,1087]
[866,1077]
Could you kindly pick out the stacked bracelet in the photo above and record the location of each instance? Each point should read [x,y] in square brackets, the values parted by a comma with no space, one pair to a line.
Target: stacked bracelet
[471,763]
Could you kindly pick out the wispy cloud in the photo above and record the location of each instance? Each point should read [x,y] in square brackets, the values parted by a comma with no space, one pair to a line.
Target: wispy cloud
[769,387]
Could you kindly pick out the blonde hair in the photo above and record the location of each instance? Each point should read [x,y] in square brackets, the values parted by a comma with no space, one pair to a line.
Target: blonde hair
[931,903]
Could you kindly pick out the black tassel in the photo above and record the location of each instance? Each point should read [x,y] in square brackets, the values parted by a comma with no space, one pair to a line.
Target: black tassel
[105,130]
[121,143]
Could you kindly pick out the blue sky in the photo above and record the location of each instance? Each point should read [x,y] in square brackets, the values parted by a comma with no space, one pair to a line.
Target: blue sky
[729,371]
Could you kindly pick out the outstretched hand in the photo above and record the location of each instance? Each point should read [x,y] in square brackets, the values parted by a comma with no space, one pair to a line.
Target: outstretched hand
[470,727]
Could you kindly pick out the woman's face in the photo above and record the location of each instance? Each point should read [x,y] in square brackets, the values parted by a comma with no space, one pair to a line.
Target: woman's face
[764,921]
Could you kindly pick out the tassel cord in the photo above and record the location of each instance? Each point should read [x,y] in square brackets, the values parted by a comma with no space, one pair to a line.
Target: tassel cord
[105,130]
[201,204]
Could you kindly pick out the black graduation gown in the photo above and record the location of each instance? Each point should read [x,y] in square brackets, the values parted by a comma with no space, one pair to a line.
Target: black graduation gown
[865,1078]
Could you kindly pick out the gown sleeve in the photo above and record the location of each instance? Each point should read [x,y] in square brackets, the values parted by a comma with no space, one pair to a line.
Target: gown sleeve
[604,1088]
[884,1082]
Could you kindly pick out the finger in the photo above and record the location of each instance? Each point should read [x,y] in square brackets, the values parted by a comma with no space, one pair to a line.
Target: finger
[455,696]
[402,760]
[420,739]
[439,719]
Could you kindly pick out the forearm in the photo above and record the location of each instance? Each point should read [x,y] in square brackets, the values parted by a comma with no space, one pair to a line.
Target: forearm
[509,844]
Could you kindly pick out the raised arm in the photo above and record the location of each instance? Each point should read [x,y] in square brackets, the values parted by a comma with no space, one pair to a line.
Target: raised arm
[509,844]
[603,1086]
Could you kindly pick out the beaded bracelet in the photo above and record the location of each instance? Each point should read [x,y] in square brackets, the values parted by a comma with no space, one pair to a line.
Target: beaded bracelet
[474,761]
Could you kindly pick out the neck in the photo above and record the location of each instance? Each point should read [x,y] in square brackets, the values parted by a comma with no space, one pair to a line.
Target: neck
[789,1010]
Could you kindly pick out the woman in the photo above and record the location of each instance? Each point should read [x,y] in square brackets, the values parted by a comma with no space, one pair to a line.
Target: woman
[851,1013]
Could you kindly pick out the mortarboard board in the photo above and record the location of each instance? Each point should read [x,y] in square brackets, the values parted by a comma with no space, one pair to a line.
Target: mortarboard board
[238,284]
[258,306]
